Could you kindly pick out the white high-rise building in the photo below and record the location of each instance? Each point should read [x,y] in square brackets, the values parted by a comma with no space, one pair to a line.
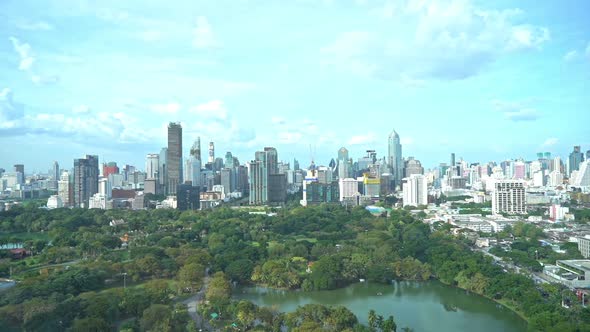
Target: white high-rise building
[555,178]
[64,189]
[104,187]
[54,202]
[582,177]
[152,166]
[509,197]
[415,190]
[98,201]
[538,179]
[348,188]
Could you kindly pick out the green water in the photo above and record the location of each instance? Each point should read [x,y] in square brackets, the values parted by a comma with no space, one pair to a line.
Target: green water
[423,306]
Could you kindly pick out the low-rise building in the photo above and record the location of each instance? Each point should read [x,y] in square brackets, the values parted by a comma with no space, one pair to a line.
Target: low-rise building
[571,273]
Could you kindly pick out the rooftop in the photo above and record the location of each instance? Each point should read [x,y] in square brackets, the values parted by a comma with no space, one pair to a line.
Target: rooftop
[582,264]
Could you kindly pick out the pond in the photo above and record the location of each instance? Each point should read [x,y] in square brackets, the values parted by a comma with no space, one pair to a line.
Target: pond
[423,306]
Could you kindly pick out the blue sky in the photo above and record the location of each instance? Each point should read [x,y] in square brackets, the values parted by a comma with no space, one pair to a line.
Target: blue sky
[487,80]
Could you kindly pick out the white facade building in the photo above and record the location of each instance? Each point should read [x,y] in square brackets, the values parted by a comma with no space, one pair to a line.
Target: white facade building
[582,178]
[415,190]
[555,178]
[348,188]
[98,201]
[152,165]
[538,179]
[64,189]
[54,202]
[509,196]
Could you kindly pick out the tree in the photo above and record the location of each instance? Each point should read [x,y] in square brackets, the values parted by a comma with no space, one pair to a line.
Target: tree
[156,318]
[189,276]
[90,324]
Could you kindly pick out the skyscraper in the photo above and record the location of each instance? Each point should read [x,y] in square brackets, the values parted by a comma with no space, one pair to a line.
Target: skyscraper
[259,178]
[162,174]
[211,153]
[110,168]
[272,160]
[187,197]
[152,165]
[582,179]
[413,166]
[452,159]
[64,189]
[174,157]
[85,180]
[55,175]
[20,168]
[342,154]
[509,197]
[575,158]
[395,157]
[196,149]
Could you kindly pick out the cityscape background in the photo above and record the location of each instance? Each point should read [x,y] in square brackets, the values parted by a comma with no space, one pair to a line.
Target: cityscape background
[107,77]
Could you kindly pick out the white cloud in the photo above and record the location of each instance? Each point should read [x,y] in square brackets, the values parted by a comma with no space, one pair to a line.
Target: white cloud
[278,120]
[550,142]
[80,109]
[287,137]
[24,51]
[211,109]
[35,26]
[203,36]
[446,40]
[150,35]
[571,55]
[11,113]
[362,139]
[515,111]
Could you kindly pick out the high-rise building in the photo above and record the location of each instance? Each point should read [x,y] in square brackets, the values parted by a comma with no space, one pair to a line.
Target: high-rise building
[277,188]
[109,168]
[348,188]
[415,190]
[20,168]
[582,177]
[395,157]
[152,165]
[509,197]
[85,180]
[227,180]
[229,160]
[196,149]
[64,189]
[174,158]
[55,171]
[272,160]
[342,154]
[519,170]
[588,155]
[162,173]
[258,177]
[413,166]
[574,160]
[452,159]
[187,197]
[104,187]
[211,152]
[555,178]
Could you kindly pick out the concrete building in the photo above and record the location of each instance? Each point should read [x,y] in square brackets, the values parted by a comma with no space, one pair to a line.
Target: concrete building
[65,189]
[187,197]
[571,273]
[415,190]
[538,179]
[258,182]
[555,178]
[174,158]
[211,158]
[98,201]
[54,202]
[272,161]
[104,187]
[348,188]
[584,246]
[109,168]
[85,180]
[150,186]
[277,188]
[413,166]
[509,197]
[575,158]
[558,212]
[582,177]
[162,173]
[152,166]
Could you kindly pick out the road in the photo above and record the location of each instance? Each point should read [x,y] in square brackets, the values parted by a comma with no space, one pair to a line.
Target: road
[193,305]
[537,277]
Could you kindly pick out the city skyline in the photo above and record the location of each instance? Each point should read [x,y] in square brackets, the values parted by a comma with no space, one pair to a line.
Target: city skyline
[486,80]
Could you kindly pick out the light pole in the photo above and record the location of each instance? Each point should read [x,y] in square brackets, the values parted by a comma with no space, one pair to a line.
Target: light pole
[124,280]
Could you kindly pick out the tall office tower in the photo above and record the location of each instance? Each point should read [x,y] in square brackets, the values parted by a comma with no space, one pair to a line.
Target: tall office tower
[272,160]
[55,171]
[196,149]
[227,180]
[152,165]
[395,157]
[452,159]
[162,170]
[556,164]
[509,197]
[582,178]
[588,155]
[413,166]
[296,165]
[229,160]
[174,158]
[258,177]
[211,153]
[20,168]
[415,190]
[187,197]
[64,189]
[104,188]
[110,168]
[85,180]
[342,154]
[576,157]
